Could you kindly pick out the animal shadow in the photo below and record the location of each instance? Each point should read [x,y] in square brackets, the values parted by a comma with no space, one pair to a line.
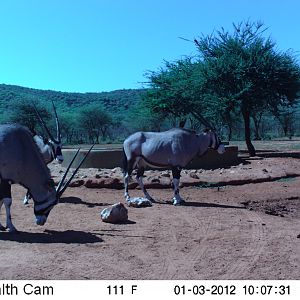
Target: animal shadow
[76,200]
[208,205]
[51,237]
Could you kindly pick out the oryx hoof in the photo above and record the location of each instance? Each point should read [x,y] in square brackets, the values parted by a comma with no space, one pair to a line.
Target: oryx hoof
[178,202]
[25,202]
[12,229]
[2,228]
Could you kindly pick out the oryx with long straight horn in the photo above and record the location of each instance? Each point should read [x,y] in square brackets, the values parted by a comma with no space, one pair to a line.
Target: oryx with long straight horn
[21,162]
[172,149]
[51,148]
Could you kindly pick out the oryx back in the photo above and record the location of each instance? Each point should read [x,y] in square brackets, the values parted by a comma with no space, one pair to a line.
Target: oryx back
[20,158]
[175,147]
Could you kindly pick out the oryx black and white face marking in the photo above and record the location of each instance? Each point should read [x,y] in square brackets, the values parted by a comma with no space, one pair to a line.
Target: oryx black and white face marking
[57,151]
[215,143]
[43,208]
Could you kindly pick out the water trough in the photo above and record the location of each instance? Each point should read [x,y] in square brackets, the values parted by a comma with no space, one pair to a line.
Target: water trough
[109,158]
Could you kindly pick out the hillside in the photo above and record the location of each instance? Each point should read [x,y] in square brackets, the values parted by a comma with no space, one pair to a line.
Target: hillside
[114,101]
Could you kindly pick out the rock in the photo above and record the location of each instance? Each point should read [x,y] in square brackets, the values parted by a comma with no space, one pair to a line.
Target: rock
[155,180]
[76,183]
[116,213]
[194,175]
[139,202]
[110,183]
[165,175]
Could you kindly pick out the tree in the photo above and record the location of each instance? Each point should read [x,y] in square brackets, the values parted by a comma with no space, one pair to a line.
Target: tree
[286,117]
[171,90]
[95,121]
[246,71]
[68,126]
[23,112]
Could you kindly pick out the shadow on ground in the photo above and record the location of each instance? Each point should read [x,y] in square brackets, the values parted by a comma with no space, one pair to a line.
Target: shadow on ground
[201,204]
[76,200]
[51,236]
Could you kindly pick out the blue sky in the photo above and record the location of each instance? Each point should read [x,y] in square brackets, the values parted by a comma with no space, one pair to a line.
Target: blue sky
[104,45]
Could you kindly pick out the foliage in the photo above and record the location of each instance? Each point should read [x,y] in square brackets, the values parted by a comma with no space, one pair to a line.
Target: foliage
[246,71]
[94,121]
[15,101]
[24,113]
[236,74]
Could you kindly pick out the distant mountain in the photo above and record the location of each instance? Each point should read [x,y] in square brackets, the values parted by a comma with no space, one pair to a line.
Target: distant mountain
[115,101]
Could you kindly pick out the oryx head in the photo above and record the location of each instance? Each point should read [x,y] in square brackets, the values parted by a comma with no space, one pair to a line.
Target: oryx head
[43,207]
[54,143]
[215,141]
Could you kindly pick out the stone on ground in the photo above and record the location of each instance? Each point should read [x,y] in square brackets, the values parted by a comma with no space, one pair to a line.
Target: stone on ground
[116,213]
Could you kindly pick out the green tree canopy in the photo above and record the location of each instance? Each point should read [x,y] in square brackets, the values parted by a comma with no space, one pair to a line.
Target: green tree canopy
[23,112]
[248,72]
[239,73]
[95,120]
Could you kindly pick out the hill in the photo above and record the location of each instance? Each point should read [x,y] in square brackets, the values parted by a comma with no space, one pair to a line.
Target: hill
[118,101]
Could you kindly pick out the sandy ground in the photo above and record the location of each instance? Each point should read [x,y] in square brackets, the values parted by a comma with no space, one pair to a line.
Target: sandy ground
[248,228]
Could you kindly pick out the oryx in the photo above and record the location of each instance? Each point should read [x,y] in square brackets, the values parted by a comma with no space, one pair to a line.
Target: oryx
[21,162]
[173,149]
[50,148]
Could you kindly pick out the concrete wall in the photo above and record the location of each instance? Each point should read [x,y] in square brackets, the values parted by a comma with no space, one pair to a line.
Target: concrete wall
[113,158]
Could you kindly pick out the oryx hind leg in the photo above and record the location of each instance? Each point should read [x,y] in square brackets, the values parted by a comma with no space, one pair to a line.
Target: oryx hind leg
[139,179]
[177,200]
[7,203]
[2,228]
[5,192]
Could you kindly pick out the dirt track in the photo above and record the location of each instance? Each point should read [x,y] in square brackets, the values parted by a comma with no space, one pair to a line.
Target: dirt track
[248,231]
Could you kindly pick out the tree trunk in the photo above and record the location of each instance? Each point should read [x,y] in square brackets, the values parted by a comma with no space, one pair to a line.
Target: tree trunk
[251,149]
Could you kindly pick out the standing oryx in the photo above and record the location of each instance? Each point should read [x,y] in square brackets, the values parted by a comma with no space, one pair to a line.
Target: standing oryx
[21,162]
[173,149]
[51,148]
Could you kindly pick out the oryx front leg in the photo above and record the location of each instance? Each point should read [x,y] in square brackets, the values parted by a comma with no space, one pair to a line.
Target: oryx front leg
[127,173]
[7,203]
[126,183]
[177,200]
[139,179]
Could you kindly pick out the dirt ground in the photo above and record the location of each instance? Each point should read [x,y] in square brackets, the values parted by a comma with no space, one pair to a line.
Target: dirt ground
[238,223]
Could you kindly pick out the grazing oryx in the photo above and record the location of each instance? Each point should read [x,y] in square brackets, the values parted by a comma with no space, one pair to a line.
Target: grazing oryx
[21,162]
[173,149]
[51,148]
